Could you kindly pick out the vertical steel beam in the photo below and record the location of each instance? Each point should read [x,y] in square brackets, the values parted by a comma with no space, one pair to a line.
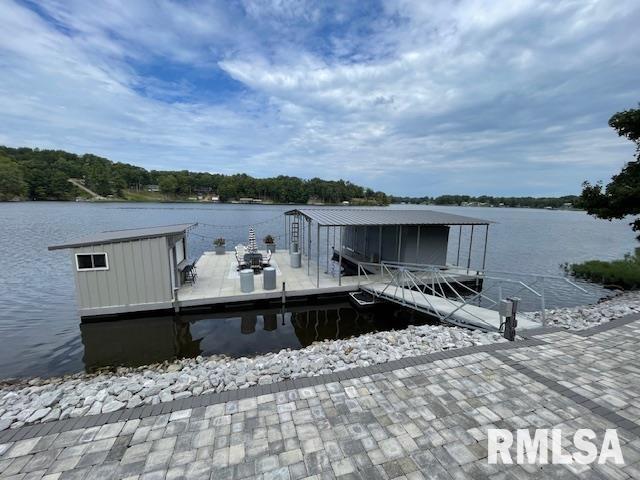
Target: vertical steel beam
[459,241]
[326,230]
[486,238]
[470,245]
[418,244]
[399,241]
[340,259]
[380,246]
[309,247]
[318,255]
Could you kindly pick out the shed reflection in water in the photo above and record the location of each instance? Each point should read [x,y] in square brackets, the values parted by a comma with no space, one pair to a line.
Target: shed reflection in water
[134,342]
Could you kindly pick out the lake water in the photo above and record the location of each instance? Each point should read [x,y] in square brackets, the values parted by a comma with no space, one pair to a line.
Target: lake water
[40,328]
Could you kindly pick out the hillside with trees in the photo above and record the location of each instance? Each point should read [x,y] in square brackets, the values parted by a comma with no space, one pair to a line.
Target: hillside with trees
[572,201]
[32,174]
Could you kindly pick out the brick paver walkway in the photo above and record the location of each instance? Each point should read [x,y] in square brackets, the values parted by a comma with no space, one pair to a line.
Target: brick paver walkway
[424,417]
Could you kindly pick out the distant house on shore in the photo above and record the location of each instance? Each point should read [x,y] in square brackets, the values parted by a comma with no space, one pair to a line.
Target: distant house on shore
[153,188]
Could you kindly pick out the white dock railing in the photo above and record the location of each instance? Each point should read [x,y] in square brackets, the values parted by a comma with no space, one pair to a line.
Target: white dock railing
[416,285]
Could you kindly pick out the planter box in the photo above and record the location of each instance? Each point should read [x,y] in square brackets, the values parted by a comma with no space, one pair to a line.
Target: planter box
[220,249]
[271,247]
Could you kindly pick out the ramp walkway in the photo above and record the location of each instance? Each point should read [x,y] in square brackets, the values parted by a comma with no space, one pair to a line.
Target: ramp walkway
[451,311]
[447,293]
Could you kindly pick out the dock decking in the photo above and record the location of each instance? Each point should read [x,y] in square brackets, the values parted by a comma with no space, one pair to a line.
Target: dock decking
[219,282]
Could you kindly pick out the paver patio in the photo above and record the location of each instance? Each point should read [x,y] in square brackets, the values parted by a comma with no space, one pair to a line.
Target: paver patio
[424,417]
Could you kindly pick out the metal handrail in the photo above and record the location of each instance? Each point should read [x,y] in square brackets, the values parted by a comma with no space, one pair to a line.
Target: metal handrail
[405,274]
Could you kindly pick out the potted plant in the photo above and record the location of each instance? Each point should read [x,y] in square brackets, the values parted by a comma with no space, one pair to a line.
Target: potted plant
[219,243]
[270,242]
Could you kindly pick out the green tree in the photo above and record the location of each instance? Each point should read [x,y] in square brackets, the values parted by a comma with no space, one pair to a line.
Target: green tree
[168,184]
[621,196]
[12,184]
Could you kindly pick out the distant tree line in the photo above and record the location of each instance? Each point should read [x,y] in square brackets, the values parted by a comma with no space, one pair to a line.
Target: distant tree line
[35,174]
[530,202]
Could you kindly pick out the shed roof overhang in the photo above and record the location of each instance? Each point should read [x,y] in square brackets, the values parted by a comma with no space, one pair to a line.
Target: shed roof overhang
[340,217]
[117,236]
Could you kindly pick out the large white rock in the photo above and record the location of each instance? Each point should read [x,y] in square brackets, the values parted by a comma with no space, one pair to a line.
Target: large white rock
[112,406]
[38,414]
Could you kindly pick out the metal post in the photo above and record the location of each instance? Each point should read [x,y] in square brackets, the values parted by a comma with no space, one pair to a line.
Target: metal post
[340,259]
[327,252]
[417,244]
[309,247]
[284,294]
[470,245]
[380,246]
[543,304]
[318,256]
[285,232]
[399,241]
[486,238]
[459,241]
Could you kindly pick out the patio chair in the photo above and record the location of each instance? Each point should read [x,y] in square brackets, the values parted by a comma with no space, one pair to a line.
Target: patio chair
[190,274]
[266,261]
[241,254]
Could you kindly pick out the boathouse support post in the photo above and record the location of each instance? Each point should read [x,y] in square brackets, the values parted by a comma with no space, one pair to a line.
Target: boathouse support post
[380,247]
[309,247]
[486,238]
[340,259]
[459,242]
[326,232]
[318,256]
[285,232]
[399,241]
[418,245]
[470,245]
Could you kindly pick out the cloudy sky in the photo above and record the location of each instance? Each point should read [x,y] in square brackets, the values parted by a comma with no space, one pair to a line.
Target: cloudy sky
[412,97]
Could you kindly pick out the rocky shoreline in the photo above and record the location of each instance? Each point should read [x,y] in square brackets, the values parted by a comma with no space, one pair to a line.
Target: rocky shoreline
[41,400]
[587,316]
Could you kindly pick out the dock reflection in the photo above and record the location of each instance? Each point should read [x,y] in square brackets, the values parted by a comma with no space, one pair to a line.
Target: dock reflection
[141,341]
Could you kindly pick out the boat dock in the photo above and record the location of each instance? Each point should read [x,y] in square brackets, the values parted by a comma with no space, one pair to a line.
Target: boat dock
[395,255]
[218,281]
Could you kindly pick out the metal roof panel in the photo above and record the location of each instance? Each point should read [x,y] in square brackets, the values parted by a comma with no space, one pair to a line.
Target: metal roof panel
[343,216]
[116,236]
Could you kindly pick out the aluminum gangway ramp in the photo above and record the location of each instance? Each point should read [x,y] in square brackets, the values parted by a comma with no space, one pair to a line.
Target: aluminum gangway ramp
[446,309]
[451,294]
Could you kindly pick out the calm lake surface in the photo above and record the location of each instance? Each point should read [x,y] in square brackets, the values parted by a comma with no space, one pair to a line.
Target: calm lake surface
[41,332]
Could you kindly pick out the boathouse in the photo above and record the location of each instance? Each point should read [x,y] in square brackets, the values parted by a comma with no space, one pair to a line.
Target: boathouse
[413,236]
[131,270]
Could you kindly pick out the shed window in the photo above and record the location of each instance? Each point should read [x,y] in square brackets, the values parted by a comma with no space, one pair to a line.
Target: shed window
[92,261]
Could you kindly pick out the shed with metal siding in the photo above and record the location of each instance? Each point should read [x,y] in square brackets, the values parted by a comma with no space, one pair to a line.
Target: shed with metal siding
[138,269]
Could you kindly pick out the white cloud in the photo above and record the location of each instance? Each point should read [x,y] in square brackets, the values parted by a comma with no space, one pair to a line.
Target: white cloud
[410,96]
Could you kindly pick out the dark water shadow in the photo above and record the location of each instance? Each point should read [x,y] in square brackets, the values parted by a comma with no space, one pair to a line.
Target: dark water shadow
[141,341]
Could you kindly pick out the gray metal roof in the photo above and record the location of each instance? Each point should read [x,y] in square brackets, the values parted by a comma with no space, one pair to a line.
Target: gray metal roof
[116,236]
[342,216]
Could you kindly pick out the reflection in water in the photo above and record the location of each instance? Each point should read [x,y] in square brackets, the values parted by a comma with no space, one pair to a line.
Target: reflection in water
[142,341]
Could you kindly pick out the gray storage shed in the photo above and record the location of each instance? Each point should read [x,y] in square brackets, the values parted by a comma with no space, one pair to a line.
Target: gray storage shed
[128,270]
